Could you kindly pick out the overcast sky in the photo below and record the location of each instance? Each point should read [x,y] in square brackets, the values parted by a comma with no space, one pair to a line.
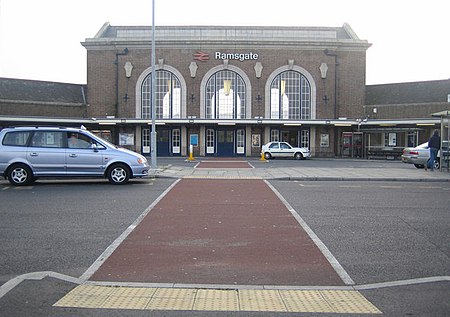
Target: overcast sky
[40,39]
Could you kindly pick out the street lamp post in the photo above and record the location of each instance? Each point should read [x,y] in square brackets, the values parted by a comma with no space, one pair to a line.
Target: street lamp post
[153,87]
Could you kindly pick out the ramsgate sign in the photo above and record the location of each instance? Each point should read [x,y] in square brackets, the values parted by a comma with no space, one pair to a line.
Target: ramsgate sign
[203,57]
[237,56]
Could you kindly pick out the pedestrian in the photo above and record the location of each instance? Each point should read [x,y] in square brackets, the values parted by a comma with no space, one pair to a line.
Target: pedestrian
[434,144]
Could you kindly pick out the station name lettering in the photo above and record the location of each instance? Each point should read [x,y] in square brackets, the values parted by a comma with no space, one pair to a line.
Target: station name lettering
[237,56]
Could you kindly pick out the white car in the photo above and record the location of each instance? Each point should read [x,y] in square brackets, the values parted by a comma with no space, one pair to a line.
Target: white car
[284,149]
[420,155]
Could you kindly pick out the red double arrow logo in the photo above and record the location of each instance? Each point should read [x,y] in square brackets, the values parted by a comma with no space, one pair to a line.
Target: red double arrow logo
[201,56]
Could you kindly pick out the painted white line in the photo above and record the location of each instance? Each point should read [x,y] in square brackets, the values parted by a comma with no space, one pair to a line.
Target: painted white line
[111,248]
[322,247]
[9,285]
[423,280]
[309,185]
[36,276]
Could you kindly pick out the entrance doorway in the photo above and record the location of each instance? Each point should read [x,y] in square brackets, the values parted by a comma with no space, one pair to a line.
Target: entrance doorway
[168,142]
[352,144]
[295,137]
[225,142]
[162,142]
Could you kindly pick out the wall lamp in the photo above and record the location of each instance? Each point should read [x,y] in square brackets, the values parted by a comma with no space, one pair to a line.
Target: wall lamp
[191,119]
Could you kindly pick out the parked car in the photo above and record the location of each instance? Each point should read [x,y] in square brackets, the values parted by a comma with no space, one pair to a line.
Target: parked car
[284,149]
[420,154]
[28,153]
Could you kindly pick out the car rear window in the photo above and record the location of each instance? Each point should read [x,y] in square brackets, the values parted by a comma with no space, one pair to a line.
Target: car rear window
[16,138]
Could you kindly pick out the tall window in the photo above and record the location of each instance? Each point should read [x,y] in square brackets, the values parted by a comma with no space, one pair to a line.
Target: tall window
[168,96]
[225,96]
[304,138]
[275,135]
[290,96]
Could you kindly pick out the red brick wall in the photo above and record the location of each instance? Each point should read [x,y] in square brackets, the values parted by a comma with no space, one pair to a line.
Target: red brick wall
[351,78]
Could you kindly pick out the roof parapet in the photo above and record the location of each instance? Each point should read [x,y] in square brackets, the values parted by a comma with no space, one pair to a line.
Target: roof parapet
[350,31]
[102,30]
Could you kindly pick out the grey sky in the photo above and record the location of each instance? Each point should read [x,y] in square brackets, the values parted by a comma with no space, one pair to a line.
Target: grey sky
[40,39]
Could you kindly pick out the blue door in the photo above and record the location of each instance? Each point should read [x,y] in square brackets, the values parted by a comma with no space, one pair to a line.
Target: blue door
[225,143]
[163,142]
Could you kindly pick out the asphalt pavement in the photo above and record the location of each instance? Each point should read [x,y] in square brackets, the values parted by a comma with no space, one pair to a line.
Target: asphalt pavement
[424,296]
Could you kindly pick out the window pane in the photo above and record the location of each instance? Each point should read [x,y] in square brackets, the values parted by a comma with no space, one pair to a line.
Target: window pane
[290,97]
[168,96]
[225,96]
[16,138]
[48,139]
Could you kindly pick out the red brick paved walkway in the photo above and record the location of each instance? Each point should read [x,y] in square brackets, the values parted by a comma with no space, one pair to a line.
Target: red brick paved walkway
[207,231]
[223,164]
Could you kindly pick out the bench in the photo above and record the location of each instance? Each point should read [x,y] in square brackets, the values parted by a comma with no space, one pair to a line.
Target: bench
[385,153]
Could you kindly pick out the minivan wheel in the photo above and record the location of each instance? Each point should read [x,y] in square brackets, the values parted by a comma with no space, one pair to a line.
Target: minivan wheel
[20,175]
[118,174]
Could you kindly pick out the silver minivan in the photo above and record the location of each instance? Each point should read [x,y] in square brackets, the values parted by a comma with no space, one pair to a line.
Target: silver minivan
[27,153]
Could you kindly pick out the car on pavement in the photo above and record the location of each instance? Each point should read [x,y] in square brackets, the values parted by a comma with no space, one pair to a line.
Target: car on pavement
[420,154]
[284,149]
[28,153]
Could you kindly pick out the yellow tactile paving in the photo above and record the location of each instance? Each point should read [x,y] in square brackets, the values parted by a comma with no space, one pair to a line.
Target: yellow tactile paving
[341,301]
[320,301]
[305,301]
[261,300]
[222,300]
[121,302]
[171,304]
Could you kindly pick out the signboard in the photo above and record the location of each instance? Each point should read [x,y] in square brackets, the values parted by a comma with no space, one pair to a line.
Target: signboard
[194,139]
[126,139]
[256,140]
[246,56]
[324,140]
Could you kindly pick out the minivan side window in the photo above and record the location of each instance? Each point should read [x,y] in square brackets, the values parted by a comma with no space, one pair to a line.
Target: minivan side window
[78,141]
[16,138]
[81,141]
[50,139]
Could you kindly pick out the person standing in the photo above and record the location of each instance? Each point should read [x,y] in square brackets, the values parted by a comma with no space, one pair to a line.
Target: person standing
[434,144]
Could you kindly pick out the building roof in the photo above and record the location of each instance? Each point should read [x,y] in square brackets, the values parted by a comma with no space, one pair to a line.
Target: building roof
[408,93]
[41,91]
[226,35]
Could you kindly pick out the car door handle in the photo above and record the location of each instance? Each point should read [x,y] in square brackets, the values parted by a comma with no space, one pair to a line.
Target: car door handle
[73,155]
[34,154]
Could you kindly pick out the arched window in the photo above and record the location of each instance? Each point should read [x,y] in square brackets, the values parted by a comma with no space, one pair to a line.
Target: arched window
[168,96]
[225,96]
[290,96]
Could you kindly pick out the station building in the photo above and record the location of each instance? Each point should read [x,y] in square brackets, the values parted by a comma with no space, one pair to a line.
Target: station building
[228,90]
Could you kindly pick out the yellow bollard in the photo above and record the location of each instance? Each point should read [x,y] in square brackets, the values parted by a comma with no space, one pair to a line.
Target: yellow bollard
[263,158]
[191,153]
